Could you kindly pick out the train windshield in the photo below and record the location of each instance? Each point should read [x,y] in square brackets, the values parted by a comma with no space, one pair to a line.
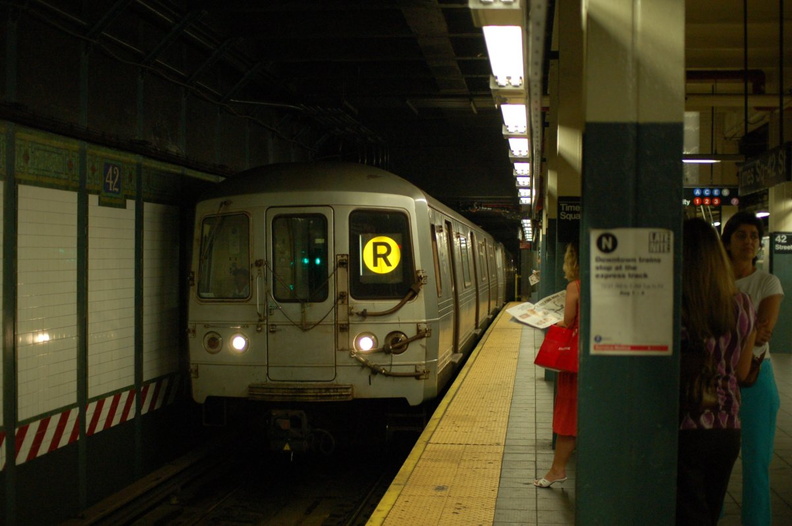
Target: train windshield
[224,266]
[381,263]
[300,258]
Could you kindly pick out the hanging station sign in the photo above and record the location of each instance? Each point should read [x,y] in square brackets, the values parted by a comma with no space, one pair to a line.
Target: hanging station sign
[769,169]
[711,196]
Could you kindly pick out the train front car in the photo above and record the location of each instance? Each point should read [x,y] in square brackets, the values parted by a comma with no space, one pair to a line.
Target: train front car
[309,284]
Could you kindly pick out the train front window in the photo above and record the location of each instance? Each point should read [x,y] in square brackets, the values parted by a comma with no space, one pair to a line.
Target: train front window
[224,266]
[300,271]
[380,253]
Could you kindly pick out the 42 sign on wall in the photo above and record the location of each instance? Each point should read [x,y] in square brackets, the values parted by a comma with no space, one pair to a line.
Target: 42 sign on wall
[112,179]
[112,193]
[782,242]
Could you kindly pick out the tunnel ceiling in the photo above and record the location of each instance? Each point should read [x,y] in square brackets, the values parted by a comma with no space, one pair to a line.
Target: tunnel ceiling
[403,84]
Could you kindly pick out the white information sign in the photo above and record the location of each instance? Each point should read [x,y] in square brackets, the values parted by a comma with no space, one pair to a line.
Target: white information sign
[632,291]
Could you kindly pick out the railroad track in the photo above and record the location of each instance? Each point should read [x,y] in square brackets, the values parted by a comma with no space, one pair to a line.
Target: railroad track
[238,481]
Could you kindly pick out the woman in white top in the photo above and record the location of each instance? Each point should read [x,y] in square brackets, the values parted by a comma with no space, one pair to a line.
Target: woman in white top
[742,238]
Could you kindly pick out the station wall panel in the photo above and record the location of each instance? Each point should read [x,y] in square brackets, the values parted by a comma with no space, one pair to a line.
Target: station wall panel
[46,300]
[2,212]
[160,290]
[111,297]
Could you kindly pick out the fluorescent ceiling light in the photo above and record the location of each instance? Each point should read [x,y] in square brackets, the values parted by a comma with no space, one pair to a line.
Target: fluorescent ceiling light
[525,200]
[762,214]
[496,12]
[522,168]
[504,47]
[519,146]
[523,181]
[711,158]
[524,192]
[514,118]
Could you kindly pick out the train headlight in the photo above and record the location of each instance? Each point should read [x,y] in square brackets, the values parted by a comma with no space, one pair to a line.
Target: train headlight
[212,342]
[239,343]
[392,341]
[365,342]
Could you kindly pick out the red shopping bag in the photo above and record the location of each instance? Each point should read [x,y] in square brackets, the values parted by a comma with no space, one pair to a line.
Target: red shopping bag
[559,350]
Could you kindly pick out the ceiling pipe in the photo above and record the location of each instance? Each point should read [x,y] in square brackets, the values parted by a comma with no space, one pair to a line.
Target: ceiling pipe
[707,100]
[781,105]
[745,66]
[755,76]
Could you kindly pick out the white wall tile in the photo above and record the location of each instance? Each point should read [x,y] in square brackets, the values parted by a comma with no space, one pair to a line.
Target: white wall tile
[47,250]
[111,296]
[161,331]
[2,190]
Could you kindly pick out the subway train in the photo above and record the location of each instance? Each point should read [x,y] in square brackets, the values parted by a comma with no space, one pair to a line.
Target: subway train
[334,282]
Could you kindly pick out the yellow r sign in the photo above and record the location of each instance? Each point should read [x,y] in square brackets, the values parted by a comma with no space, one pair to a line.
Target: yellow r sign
[381,255]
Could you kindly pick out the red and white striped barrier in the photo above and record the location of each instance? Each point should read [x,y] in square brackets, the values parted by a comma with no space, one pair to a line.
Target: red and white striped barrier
[55,431]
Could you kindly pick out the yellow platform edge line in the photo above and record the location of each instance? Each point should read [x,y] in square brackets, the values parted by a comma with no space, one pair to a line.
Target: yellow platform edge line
[385,505]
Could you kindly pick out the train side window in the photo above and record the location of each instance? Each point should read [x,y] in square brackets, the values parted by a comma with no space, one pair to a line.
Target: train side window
[299,256]
[224,265]
[380,254]
[436,257]
[464,252]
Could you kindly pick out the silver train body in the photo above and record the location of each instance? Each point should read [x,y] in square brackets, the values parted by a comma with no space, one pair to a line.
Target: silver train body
[335,281]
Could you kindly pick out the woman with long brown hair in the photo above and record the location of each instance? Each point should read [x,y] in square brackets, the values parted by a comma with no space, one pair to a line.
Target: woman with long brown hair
[717,339]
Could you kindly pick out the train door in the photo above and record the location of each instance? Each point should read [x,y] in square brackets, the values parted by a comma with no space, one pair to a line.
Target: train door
[476,281]
[301,294]
[454,289]
[494,286]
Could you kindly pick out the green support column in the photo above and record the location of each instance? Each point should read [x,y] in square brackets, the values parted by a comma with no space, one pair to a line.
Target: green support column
[9,311]
[548,266]
[632,178]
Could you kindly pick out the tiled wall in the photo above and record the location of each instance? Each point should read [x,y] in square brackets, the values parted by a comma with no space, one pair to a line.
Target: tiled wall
[46,303]
[2,190]
[111,297]
[48,171]
[160,290]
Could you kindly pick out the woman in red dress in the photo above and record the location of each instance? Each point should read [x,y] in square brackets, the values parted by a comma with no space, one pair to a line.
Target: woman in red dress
[565,406]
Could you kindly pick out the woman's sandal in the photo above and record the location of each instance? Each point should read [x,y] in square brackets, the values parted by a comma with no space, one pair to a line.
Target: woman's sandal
[544,483]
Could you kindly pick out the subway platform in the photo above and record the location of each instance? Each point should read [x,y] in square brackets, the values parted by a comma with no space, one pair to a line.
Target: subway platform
[491,436]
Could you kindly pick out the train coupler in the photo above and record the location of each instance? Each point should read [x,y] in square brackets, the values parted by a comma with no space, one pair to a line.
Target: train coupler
[288,431]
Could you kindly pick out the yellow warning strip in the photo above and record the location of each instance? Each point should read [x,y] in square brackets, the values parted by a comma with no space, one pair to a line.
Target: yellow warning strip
[397,487]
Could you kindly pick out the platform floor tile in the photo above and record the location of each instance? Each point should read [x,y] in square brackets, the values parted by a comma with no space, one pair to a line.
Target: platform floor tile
[476,460]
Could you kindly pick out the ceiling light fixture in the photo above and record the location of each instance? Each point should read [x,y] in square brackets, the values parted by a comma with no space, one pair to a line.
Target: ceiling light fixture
[711,158]
[522,181]
[504,47]
[515,120]
[522,168]
[519,146]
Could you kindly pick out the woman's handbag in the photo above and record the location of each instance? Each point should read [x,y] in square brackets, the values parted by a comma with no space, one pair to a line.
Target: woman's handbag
[559,350]
[753,372]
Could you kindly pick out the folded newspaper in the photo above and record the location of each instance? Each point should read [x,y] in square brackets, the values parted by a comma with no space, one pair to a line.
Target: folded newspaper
[542,314]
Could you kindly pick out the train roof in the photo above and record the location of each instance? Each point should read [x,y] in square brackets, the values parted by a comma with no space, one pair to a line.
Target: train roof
[325,176]
[316,177]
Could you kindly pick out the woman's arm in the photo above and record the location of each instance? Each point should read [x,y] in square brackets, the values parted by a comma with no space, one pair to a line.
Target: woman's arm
[744,364]
[766,317]
[571,303]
